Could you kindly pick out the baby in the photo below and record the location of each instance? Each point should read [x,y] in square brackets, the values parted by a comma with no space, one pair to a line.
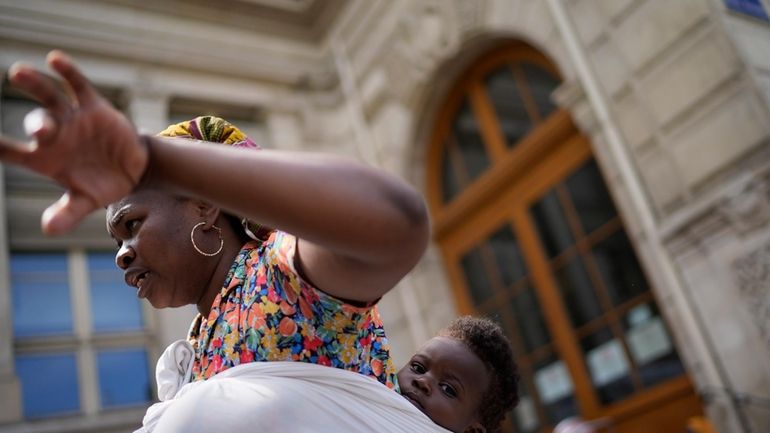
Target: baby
[464,379]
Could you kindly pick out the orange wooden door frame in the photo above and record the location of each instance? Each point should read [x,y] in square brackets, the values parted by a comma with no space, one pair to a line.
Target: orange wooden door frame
[502,195]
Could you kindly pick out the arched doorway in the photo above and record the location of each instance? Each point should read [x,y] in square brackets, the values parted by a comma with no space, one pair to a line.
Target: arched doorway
[530,236]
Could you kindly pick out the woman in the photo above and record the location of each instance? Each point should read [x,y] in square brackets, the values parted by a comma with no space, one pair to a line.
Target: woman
[345,233]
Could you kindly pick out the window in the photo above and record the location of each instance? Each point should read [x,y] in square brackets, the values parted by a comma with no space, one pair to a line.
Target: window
[602,286]
[81,340]
[505,99]
[753,8]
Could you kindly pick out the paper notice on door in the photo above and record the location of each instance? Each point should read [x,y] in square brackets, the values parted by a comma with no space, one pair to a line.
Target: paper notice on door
[649,341]
[526,415]
[607,362]
[553,382]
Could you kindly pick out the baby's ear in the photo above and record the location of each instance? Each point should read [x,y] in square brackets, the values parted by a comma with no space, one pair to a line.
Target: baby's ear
[476,427]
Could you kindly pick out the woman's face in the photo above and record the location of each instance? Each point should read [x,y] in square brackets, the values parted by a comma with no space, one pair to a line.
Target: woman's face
[152,230]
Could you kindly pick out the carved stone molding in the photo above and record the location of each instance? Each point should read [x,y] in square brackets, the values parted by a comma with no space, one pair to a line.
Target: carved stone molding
[747,205]
[739,207]
[427,33]
[425,37]
[752,273]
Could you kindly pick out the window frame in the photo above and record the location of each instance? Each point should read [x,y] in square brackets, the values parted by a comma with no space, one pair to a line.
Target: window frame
[515,179]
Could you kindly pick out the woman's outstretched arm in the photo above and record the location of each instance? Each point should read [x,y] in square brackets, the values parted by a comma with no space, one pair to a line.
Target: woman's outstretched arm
[360,229]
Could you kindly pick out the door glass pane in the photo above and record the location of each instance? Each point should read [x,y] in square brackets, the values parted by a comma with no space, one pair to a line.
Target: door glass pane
[554,386]
[41,295]
[619,268]
[123,377]
[551,224]
[507,255]
[650,344]
[525,413]
[511,112]
[608,365]
[476,276]
[577,292]
[451,183]
[541,85]
[529,319]
[466,132]
[590,197]
[114,305]
[49,384]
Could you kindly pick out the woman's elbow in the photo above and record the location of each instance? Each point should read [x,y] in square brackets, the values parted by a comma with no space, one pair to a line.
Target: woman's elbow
[414,212]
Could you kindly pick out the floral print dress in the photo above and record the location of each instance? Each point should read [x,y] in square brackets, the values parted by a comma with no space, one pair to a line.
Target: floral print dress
[266,312]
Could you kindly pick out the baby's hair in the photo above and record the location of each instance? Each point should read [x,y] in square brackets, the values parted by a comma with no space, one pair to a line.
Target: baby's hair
[486,340]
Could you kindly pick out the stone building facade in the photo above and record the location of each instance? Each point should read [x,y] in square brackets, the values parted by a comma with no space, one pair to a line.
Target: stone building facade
[673,98]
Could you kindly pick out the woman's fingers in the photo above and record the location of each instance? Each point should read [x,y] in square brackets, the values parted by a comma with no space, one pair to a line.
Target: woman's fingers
[73,142]
[40,87]
[13,151]
[39,124]
[66,213]
[64,65]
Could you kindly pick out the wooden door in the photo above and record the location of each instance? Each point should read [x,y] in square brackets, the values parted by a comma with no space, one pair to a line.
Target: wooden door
[530,237]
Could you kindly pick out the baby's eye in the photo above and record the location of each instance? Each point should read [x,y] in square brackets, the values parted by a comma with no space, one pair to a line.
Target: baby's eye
[448,390]
[418,368]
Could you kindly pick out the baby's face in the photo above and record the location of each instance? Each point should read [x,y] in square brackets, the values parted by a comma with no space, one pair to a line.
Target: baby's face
[446,381]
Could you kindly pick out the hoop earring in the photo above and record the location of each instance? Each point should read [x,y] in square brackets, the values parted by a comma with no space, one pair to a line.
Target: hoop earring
[221,240]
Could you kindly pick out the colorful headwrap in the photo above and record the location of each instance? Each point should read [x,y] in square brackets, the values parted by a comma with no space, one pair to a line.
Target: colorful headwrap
[215,130]
[212,129]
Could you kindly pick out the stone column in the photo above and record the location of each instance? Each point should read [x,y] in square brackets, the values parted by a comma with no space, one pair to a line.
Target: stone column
[283,130]
[10,392]
[148,109]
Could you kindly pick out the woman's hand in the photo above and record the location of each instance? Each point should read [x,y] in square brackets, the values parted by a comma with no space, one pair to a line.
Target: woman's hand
[81,142]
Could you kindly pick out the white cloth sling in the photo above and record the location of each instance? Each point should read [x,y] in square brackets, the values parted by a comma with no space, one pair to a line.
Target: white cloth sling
[268,397]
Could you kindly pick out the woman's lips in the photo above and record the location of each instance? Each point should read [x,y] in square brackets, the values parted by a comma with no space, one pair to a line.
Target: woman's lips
[142,285]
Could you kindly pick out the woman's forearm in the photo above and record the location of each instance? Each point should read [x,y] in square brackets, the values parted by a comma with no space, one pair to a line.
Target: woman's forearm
[339,204]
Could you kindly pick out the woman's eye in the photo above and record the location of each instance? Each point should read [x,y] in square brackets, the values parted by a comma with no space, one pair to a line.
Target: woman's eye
[448,390]
[131,225]
[418,368]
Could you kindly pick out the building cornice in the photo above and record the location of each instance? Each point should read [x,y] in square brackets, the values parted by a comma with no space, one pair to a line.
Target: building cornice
[113,31]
